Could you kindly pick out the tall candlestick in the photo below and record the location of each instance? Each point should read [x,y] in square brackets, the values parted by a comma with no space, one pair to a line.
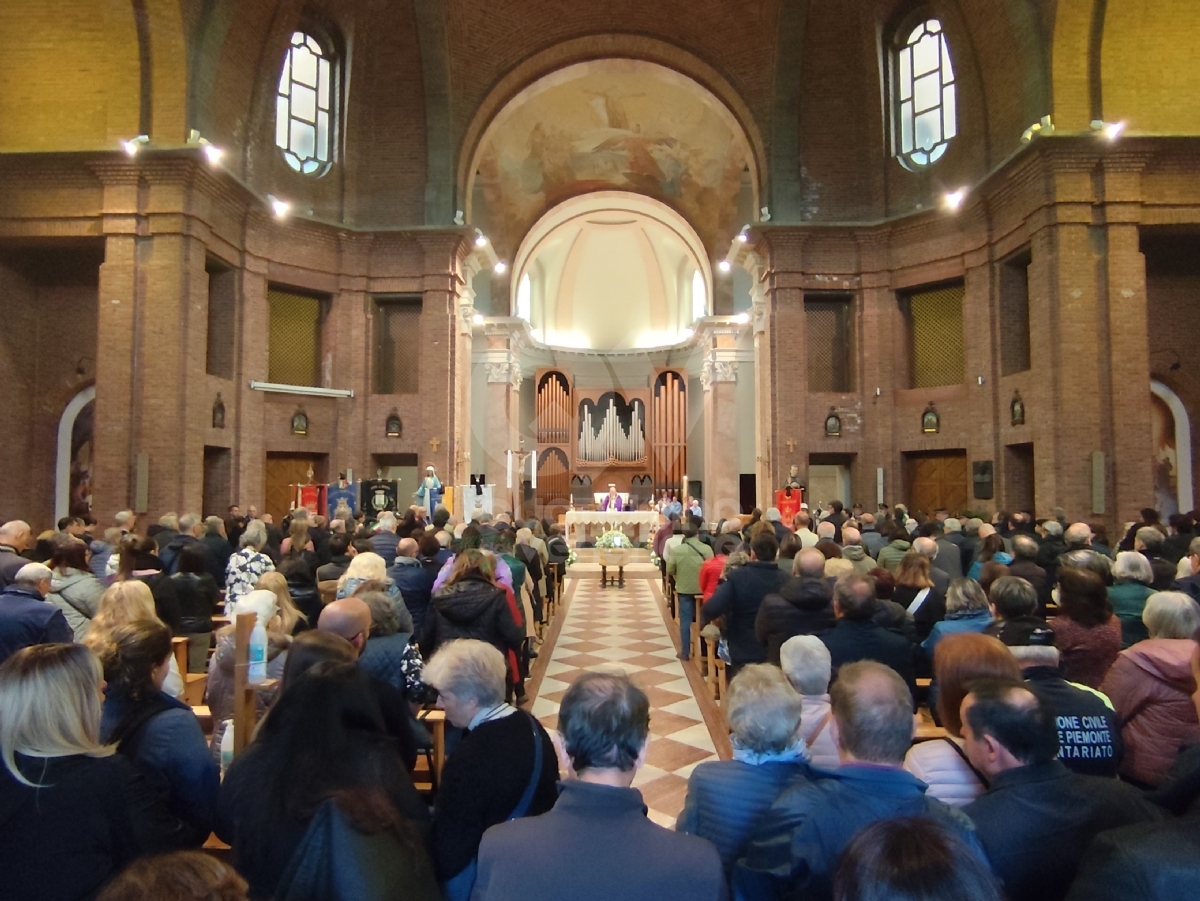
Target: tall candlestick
[508,470]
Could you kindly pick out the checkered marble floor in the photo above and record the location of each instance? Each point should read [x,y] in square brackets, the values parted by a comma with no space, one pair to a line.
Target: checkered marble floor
[624,628]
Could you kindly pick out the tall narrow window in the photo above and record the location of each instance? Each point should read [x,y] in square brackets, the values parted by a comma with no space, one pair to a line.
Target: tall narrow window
[397,345]
[304,107]
[294,337]
[1014,314]
[935,335]
[924,97]
[829,325]
[699,296]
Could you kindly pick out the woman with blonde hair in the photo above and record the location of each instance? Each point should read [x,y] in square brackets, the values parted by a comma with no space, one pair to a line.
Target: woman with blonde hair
[291,620]
[366,567]
[74,813]
[126,602]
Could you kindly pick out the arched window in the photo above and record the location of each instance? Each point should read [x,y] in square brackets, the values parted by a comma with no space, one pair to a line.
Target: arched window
[924,94]
[304,108]
[699,296]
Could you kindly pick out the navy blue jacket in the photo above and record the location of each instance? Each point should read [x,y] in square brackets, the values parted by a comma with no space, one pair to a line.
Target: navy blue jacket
[1036,821]
[1148,862]
[850,641]
[726,798]
[794,851]
[415,582]
[26,619]
[173,754]
[1089,733]
[738,599]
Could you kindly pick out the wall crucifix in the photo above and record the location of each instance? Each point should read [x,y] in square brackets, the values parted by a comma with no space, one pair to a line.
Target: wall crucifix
[433,442]
[791,443]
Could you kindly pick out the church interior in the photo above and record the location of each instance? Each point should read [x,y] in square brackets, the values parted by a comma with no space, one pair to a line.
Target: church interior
[539,261]
[485,219]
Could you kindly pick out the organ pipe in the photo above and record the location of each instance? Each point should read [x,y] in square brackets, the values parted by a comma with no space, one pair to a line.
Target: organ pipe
[612,442]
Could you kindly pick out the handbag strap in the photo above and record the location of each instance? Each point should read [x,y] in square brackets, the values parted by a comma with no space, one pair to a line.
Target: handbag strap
[983,780]
[918,601]
[527,799]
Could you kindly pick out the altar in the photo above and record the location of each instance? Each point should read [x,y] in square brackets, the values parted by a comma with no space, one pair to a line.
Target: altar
[588,525]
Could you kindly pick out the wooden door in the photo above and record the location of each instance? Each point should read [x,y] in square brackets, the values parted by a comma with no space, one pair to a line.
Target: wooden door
[283,470]
[938,479]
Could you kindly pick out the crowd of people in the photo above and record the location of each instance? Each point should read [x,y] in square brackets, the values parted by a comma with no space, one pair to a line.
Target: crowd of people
[1062,669]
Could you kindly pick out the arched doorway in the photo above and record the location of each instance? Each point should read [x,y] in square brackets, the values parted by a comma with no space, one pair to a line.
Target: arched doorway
[73,468]
[1172,431]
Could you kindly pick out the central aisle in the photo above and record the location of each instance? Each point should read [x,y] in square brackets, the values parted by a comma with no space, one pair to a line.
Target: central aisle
[624,628]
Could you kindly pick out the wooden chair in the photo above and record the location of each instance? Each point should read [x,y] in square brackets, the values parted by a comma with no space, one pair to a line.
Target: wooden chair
[245,711]
[179,647]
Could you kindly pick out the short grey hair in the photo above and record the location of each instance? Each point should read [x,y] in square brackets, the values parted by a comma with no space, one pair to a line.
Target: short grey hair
[1024,547]
[1078,534]
[1194,547]
[1133,566]
[384,618]
[952,525]
[387,521]
[874,712]
[965,594]
[188,521]
[807,664]
[123,517]
[212,525]
[170,521]
[1150,537]
[468,668]
[1171,614]
[255,535]
[851,536]
[1035,655]
[32,574]
[1053,527]
[763,709]
[826,530]
[926,547]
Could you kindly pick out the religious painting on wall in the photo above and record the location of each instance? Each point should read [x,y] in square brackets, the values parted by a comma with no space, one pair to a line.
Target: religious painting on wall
[82,433]
[1166,463]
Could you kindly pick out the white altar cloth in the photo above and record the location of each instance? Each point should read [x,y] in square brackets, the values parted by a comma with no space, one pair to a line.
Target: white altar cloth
[582,522]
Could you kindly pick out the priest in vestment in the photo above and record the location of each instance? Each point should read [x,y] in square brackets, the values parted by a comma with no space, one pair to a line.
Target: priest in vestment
[612,500]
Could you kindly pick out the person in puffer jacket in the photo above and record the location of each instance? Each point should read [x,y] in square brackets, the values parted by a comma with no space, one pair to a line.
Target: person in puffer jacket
[474,604]
[390,654]
[802,606]
[73,588]
[1151,687]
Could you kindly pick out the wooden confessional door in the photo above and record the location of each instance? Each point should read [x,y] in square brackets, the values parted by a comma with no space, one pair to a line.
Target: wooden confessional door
[283,470]
[938,479]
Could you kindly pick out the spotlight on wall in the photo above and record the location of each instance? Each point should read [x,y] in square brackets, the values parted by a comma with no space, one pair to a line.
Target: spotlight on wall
[477,319]
[725,265]
[133,145]
[742,237]
[1041,128]
[952,200]
[500,268]
[213,154]
[1110,130]
[742,318]
[281,208]
[480,239]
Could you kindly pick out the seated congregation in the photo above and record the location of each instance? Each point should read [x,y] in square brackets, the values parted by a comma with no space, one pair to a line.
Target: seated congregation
[926,711]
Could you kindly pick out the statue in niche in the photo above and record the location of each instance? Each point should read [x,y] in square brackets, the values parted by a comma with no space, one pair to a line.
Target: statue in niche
[299,422]
[218,413]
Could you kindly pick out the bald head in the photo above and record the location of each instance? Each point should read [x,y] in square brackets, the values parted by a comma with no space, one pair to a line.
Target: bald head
[810,564]
[1078,534]
[349,618]
[986,529]
[926,547]
[406,548]
[850,536]
[16,534]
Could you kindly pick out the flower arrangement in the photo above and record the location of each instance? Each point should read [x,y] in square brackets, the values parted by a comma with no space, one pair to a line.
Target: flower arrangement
[655,559]
[572,557]
[614,539]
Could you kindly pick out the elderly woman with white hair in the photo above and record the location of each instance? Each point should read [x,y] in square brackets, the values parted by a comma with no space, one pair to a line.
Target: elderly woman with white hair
[366,567]
[1132,575]
[247,564]
[726,798]
[1151,686]
[505,766]
[808,666]
[265,605]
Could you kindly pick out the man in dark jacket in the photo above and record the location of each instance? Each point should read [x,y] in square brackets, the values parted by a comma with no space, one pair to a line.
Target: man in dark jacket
[858,637]
[340,554]
[738,599]
[1037,817]
[1191,584]
[25,617]
[1025,566]
[597,844]
[1089,733]
[15,537]
[1148,541]
[802,606]
[413,580]
[795,848]
[189,525]
[837,516]
[1052,547]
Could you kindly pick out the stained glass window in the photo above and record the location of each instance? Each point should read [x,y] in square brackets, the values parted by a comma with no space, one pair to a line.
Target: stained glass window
[926,117]
[304,106]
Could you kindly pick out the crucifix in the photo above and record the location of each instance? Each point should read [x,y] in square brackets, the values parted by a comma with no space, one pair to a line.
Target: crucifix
[791,443]
[433,442]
